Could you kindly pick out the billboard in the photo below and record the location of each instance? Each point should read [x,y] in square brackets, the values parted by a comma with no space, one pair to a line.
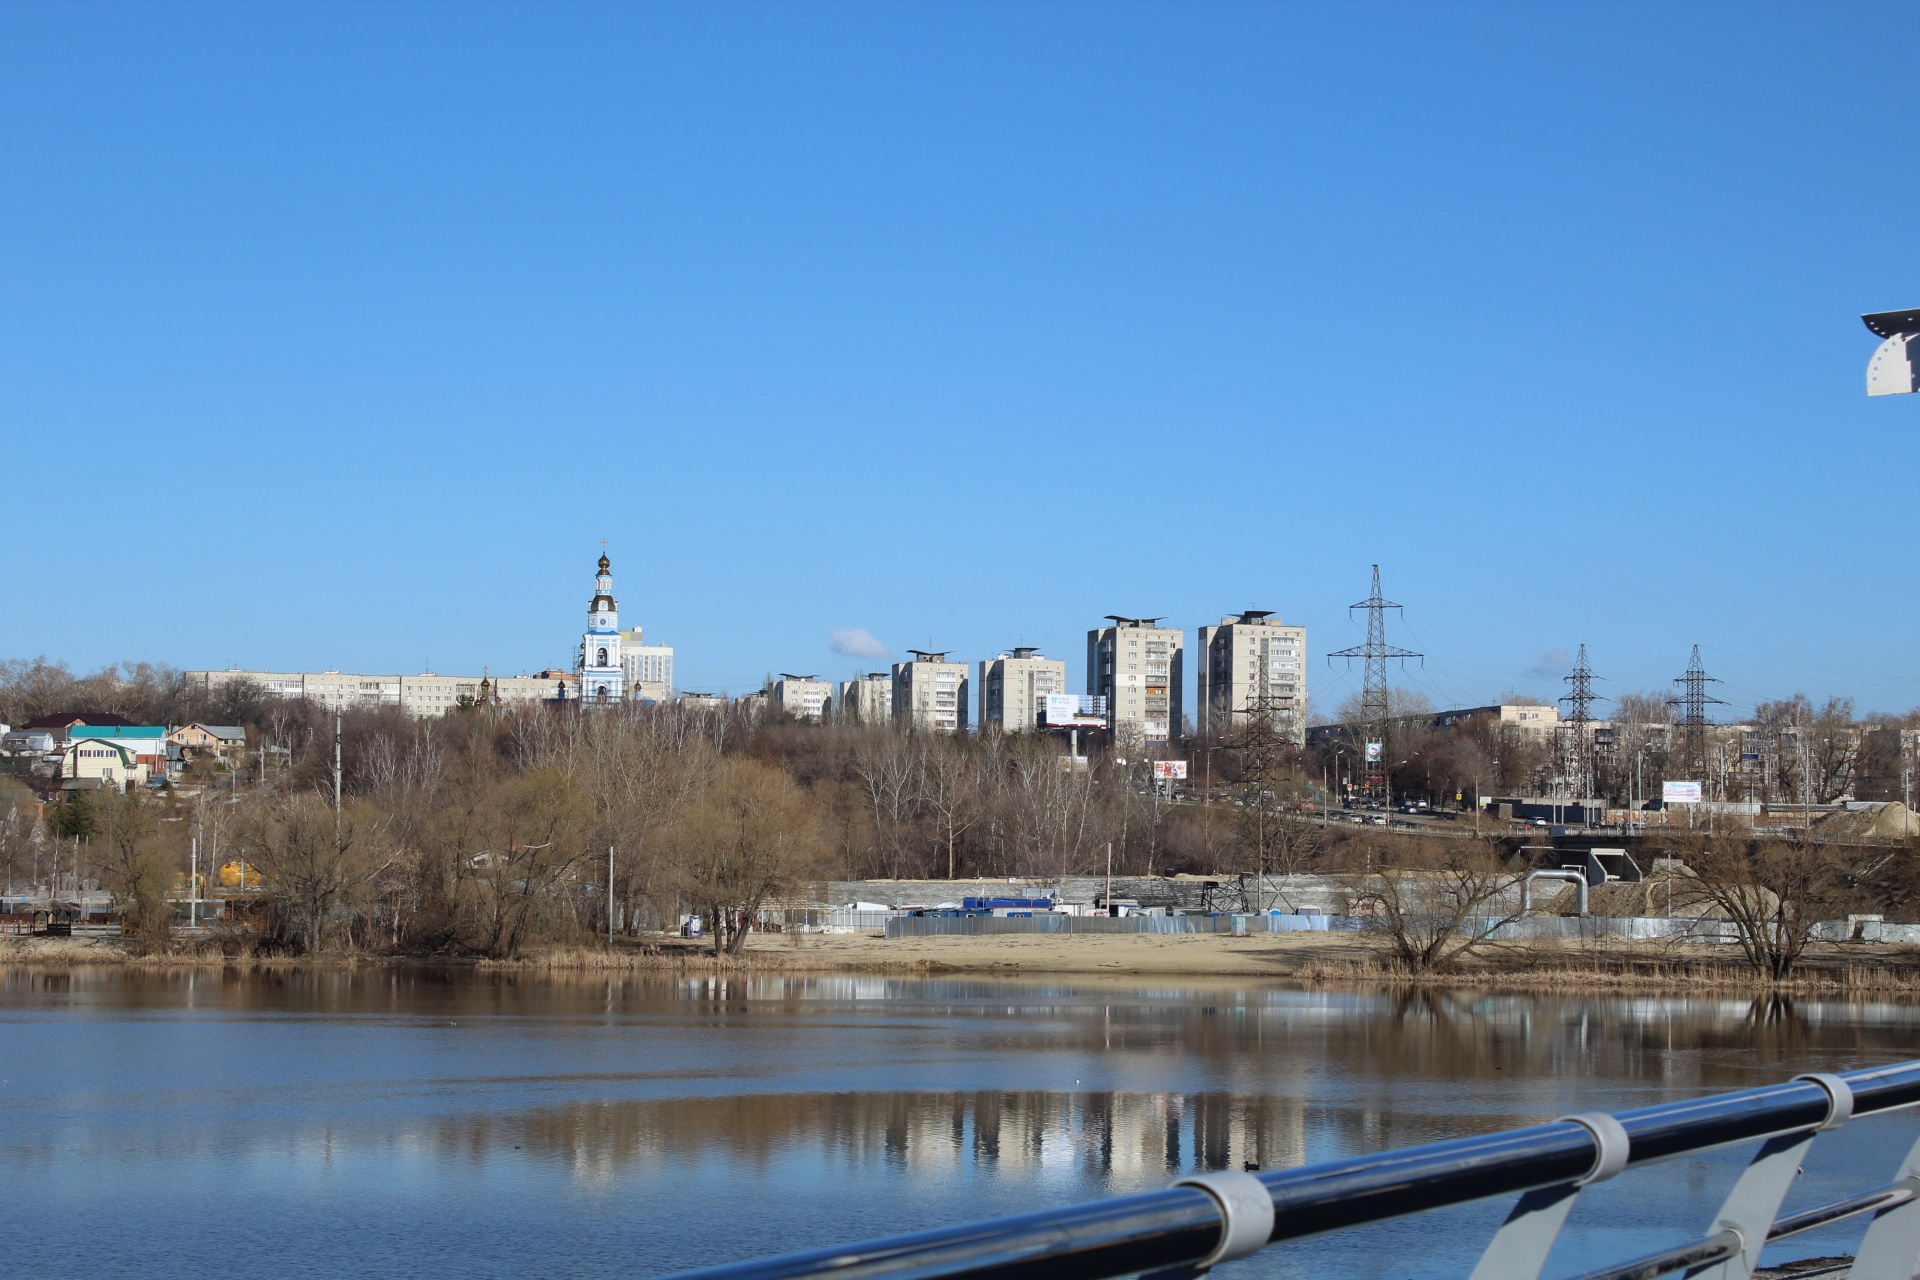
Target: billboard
[1063,712]
[1170,769]
[1373,753]
[1680,792]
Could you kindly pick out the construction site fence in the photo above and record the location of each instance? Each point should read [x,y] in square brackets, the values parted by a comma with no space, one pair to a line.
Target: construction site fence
[26,926]
[1570,928]
[984,926]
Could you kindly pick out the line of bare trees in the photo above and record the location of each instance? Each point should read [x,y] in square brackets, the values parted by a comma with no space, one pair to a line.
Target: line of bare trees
[494,827]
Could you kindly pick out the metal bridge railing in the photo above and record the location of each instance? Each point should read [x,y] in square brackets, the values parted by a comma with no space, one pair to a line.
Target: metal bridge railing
[1216,1217]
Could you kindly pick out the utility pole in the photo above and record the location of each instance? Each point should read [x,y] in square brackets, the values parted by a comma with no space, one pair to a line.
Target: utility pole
[1109,877]
[1580,719]
[1374,655]
[336,780]
[193,883]
[609,897]
[1694,701]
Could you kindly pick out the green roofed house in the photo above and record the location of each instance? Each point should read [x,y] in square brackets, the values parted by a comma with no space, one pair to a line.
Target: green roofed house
[101,762]
[147,744]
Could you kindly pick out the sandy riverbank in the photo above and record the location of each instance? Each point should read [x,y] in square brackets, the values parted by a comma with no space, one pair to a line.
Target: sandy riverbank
[1196,954]
[1312,958]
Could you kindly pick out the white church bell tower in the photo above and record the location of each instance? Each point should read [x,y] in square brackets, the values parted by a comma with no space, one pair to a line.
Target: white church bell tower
[602,674]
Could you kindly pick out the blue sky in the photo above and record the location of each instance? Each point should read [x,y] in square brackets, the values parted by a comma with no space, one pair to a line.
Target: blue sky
[339,335]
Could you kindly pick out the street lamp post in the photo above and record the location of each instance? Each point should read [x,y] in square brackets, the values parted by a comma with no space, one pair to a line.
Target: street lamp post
[1206,807]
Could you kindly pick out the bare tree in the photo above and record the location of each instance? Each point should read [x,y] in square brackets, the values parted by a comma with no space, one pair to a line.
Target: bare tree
[515,846]
[1441,904]
[1774,891]
[637,782]
[17,832]
[952,790]
[311,864]
[1272,832]
[891,768]
[1051,809]
[1833,750]
[750,835]
[139,872]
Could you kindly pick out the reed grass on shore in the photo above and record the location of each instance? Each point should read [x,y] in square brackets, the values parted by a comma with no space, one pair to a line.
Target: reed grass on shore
[1520,969]
[1619,975]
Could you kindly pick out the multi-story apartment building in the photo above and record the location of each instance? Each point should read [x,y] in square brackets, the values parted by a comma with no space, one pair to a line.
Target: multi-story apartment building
[1014,688]
[1137,665]
[930,693]
[1250,664]
[802,697]
[868,700]
[649,668]
[424,696]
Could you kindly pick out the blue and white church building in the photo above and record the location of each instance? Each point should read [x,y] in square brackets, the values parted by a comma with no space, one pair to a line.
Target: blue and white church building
[603,677]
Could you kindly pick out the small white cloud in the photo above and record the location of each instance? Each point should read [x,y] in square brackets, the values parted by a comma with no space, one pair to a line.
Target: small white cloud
[1552,663]
[858,642]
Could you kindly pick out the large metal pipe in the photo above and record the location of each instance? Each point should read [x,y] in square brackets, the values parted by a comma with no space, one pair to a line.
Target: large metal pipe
[1183,1224]
[1579,878]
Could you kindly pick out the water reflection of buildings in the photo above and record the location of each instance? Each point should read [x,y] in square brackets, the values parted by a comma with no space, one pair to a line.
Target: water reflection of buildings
[1213,1076]
[1102,1135]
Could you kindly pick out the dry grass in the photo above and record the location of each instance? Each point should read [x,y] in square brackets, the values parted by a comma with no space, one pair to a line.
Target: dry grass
[672,957]
[1541,967]
[1660,973]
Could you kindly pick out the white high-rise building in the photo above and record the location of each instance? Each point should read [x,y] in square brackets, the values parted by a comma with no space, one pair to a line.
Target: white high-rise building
[930,692]
[1137,665]
[1014,688]
[1249,662]
[649,668]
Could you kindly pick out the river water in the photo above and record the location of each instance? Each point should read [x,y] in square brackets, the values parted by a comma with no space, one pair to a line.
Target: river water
[439,1122]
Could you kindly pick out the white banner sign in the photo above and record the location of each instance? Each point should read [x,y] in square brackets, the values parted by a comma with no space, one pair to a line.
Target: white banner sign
[1062,708]
[1680,792]
[1170,769]
[1373,753]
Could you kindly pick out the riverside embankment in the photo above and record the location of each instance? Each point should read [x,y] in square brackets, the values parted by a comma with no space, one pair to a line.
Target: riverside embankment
[1298,958]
